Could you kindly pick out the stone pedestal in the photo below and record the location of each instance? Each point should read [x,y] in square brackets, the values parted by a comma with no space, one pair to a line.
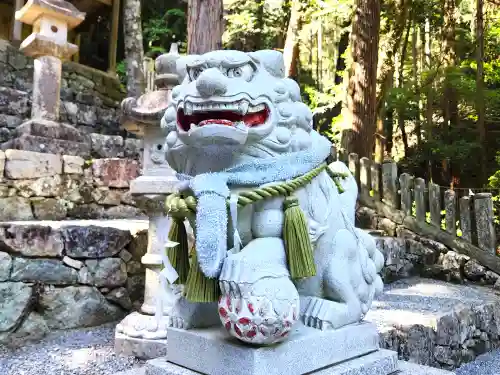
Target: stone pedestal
[49,46]
[350,350]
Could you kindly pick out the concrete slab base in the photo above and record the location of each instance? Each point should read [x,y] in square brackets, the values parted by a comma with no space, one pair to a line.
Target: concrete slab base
[139,347]
[381,362]
[407,368]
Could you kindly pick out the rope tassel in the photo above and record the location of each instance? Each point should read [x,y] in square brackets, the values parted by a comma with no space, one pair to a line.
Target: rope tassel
[179,255]
[200,288]
[298,245]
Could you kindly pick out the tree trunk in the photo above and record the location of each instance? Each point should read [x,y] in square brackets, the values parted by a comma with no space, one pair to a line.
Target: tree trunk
[480,108]
[259,25]
[291,50]
[401,111]
[450,105]
[416,85]
[386,78]
[134,49]
[362,88]
[205,26]
[429,97]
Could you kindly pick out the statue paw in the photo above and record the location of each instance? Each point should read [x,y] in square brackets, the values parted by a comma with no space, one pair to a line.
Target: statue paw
[177,322]
[143,326]
[323,314]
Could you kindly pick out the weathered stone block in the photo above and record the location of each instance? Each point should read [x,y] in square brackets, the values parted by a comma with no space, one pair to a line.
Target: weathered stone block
[48,271]
[15,208]
[49,209]
[82,306]
[14,102]
[33,328]
[107,197]
[26,164]
[123,212]
[121,297]
[107,146]
[115,172]
[5,266]
[94,241]
[73,164]
[15,303]
[41,187]
[31,240]
[108,272]
[139,245]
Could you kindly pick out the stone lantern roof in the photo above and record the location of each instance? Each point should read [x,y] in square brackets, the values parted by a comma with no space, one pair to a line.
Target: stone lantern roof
[150,107]
[61,10]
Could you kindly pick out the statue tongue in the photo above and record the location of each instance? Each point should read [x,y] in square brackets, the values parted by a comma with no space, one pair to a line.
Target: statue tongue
[250,119]
[216,122]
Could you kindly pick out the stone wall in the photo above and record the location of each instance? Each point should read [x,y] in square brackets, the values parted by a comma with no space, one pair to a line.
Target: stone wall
[36,186]
[407,254]
[90,99]
[67,276]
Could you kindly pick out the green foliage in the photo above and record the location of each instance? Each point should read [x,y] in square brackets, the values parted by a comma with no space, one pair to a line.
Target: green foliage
[163,24]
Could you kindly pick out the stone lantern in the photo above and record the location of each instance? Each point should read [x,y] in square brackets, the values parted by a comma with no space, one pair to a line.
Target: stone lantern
[49,46]
[139,333]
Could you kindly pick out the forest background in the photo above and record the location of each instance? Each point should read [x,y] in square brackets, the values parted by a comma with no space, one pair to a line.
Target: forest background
[417,81]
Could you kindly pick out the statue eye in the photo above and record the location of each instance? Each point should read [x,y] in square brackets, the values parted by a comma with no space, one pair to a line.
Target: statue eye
[194,73]
[245,72]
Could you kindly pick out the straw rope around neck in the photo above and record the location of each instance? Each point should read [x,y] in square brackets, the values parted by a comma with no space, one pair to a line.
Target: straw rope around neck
[180,208]
[200,288]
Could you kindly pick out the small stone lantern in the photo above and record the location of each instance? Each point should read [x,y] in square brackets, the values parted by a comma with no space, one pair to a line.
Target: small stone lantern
[139,333]
[49,46]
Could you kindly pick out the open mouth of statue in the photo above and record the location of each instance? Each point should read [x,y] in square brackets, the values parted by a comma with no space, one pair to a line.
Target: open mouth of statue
[242,113]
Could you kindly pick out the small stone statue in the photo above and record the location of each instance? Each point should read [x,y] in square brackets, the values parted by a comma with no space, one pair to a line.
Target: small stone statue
[274,224]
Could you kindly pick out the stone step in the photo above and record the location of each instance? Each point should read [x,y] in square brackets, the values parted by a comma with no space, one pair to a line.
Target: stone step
[57,275]
[407,368]
[436,323]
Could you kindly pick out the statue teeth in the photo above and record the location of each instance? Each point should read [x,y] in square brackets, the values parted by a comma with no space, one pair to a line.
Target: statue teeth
[188,109]
[243,107]
[257,108]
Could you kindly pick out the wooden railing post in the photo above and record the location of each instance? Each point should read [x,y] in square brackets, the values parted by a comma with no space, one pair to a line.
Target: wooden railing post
[389,183]
[465,218]
[364,176]
[354,167]
[375,172]
[435,204]
[450,211]
[405,183]
[420,208]
[483,207]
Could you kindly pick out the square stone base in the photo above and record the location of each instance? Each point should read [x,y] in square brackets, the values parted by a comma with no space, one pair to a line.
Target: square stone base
[214,352]
[381,362]
[139,348]
[49,137]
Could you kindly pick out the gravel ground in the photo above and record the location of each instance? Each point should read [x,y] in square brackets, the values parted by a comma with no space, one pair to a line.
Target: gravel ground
[486,364]
[90,352]
[76,352]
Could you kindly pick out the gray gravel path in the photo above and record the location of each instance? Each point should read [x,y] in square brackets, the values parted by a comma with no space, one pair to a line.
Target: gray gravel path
[486,364]
[76,352]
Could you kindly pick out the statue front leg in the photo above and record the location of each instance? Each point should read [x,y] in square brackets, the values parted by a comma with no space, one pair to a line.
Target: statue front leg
[259,303]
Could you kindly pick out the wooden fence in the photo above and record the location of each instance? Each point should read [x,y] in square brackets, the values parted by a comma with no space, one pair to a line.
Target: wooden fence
[464,224]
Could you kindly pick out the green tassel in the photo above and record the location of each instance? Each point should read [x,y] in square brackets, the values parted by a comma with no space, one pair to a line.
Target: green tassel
[179,255]
[298,245]
[200,288]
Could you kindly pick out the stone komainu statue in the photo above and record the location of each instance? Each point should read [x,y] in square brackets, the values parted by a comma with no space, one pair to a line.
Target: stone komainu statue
[274,224]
